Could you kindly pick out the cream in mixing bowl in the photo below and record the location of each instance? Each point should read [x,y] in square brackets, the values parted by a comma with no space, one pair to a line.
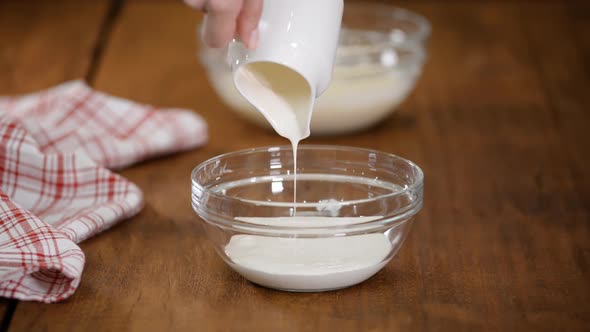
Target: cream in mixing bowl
[356,98]
[308,264]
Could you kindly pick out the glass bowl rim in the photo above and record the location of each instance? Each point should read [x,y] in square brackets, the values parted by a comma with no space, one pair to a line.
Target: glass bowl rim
[400,216]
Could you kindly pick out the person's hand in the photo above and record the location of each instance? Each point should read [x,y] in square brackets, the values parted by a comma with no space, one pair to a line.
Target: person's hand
[225,19]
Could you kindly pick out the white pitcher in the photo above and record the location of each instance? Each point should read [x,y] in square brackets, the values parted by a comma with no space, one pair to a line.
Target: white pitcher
[293,62]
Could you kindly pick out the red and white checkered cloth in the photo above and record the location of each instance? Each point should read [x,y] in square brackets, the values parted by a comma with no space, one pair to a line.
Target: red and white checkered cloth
[54,188]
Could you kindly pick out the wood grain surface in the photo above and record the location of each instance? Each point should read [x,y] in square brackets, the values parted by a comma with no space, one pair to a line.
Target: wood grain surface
[45,43]
[497,122]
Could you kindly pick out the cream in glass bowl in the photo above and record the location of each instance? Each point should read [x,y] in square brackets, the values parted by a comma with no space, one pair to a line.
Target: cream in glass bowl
[380,56]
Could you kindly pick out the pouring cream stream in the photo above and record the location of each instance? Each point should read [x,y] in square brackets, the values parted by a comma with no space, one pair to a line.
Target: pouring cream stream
[291,66]
[284,97]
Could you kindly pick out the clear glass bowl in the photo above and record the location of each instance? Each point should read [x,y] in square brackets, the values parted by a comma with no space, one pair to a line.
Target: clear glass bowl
[354,209]
[379,59]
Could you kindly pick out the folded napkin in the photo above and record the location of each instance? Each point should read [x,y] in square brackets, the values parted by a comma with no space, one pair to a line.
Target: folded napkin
[54,188]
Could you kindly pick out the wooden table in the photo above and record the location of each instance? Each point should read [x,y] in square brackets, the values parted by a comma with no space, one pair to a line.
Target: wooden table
[498,122]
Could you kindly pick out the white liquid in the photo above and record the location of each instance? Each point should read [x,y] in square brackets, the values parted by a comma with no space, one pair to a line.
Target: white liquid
[308,264]
[284,98]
